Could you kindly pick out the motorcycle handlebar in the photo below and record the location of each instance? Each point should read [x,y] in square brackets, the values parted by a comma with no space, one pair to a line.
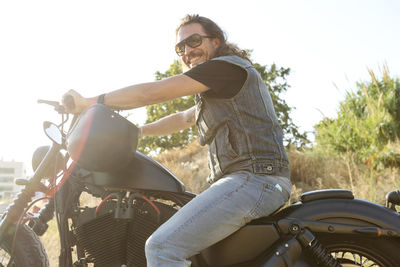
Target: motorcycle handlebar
[68,101]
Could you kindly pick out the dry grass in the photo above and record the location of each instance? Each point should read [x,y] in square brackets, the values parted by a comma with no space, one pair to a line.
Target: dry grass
[189,165]
[309,171]
[51,242]
[312,171]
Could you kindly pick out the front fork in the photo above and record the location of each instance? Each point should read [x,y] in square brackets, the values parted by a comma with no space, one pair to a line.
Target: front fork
[14,211]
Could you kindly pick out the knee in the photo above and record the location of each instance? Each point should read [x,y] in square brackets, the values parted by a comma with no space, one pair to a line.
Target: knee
[153,243]
[156,251]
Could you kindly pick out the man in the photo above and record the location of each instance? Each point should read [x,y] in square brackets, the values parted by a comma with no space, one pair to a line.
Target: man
[233,110]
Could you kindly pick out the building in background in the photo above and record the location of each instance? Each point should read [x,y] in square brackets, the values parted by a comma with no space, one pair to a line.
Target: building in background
[10,170]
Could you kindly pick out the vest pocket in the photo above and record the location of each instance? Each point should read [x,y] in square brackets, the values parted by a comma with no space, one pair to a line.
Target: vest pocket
[226,145]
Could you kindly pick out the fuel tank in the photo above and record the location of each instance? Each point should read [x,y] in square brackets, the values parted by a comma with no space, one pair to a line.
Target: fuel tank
[142,173]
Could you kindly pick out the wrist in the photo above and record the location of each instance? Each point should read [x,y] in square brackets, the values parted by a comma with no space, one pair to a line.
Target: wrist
[87,102]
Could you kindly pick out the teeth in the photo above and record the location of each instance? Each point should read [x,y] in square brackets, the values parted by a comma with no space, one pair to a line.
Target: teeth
[194,59]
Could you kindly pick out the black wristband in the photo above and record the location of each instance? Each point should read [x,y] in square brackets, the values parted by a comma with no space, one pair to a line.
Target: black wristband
[100,99]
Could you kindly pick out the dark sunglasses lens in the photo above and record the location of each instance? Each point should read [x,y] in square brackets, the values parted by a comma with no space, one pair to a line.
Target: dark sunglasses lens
[180,48]
[193,40]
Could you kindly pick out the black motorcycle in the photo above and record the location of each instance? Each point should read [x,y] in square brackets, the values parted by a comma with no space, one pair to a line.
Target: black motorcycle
[324,228]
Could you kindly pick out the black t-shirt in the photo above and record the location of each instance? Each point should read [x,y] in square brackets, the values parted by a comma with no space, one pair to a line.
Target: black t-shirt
[223,78]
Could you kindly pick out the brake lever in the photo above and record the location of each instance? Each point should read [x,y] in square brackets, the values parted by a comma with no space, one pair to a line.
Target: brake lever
[57,107]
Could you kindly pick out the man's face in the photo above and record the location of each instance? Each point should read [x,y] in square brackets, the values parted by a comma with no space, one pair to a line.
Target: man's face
[202,53]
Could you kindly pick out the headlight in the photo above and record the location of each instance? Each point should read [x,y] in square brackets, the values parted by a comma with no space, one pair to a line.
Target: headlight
[39,155]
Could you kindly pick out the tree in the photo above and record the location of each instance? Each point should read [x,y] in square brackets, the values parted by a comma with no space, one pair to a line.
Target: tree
[367,125]
[275,79]
[155,112]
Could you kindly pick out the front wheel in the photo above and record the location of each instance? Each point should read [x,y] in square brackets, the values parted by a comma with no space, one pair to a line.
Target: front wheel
[351,251]
[27,250]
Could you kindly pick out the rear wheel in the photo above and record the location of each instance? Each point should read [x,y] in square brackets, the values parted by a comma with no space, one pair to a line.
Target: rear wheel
[350,250]
[27,251]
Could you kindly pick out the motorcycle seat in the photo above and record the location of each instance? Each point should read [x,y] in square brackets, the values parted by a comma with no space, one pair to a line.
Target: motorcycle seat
[241,246]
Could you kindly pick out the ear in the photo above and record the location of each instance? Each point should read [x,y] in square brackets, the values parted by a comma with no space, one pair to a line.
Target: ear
[216,41]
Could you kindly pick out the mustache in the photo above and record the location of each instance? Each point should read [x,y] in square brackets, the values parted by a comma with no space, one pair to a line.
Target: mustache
[193,54]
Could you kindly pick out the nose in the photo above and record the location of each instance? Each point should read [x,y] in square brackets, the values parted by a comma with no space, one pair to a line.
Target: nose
[188,49]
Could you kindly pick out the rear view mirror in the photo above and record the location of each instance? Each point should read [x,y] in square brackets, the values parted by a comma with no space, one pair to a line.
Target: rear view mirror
[52,132]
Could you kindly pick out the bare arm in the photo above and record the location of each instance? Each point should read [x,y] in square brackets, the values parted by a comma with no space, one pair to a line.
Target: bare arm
[170,124]
[142,94]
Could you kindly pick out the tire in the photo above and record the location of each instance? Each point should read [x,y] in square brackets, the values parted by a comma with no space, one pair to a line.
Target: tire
[28,250]
[351,250]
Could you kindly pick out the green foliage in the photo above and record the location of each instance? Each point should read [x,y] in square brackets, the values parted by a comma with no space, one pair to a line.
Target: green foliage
[158,111]
[367,125]
[174,69]
[275,79]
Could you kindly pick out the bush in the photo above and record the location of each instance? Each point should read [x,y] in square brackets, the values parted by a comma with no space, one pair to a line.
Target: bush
[368,124]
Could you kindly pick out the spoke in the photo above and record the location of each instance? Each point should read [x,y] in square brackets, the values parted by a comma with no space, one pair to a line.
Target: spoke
[350,258]
[363,261]
[354,257]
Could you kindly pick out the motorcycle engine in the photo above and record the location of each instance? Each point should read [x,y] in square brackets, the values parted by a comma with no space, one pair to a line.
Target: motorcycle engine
[108,239]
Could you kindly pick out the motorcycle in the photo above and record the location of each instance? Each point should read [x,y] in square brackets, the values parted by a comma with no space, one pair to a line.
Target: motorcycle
[97,155]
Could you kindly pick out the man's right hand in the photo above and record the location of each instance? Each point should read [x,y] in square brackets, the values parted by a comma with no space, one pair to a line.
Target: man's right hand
[74,103]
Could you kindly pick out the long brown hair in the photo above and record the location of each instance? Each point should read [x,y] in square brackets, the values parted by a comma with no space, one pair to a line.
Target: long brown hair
[212,29]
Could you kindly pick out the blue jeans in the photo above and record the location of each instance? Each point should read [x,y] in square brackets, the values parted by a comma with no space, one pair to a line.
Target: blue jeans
[222,209]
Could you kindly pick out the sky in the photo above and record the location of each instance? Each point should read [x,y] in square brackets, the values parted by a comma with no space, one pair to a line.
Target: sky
[95,46]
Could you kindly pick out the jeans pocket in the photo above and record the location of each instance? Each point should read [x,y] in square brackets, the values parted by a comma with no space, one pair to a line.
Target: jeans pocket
[270,200]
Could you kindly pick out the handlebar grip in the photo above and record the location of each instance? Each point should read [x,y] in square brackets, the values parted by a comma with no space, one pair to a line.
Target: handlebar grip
[69,102]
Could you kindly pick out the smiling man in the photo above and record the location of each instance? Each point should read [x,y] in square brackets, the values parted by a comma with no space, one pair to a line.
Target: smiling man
[249,168]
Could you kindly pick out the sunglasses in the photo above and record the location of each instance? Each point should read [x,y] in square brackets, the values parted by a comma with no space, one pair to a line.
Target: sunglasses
[193,41]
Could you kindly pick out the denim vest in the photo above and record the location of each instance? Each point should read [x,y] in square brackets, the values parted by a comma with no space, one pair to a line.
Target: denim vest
[242,132]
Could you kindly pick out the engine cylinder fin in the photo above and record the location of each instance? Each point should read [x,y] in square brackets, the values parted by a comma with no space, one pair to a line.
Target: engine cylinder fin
[104,240]
[107,241]
[144,224]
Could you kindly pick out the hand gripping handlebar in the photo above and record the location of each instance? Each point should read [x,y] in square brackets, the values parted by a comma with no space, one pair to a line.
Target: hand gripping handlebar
[68,101]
